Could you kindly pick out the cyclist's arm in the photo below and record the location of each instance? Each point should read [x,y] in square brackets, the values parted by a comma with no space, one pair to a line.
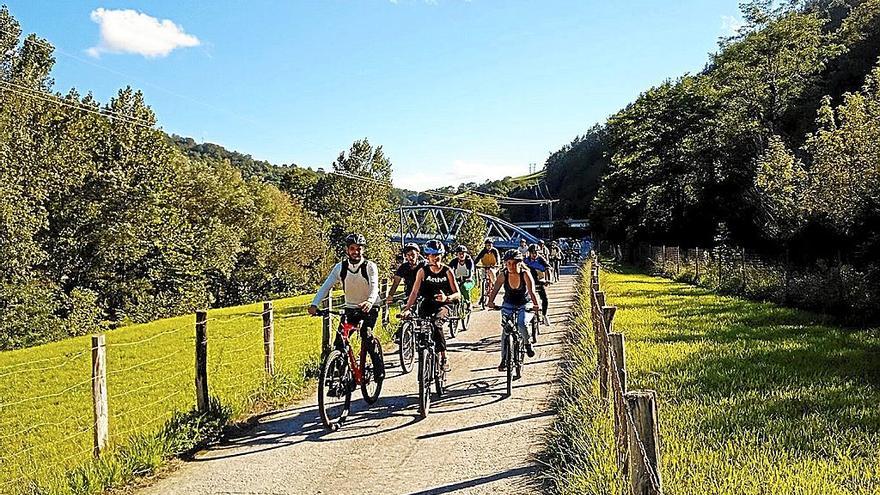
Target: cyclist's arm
[393,290]
[415,290]
[328,284]
[499,281]
[373,276]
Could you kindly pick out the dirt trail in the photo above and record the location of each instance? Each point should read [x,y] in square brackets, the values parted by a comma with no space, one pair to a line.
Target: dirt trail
[475,439]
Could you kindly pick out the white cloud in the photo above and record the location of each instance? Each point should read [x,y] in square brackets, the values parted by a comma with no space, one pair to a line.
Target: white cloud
[458,172]
[731,25]
[130,31]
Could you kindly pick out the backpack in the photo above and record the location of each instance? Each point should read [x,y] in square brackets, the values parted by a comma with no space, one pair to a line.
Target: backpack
[344,272]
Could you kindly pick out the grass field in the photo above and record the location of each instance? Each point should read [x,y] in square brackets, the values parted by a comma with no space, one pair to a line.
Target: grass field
[753,398]
[45,392]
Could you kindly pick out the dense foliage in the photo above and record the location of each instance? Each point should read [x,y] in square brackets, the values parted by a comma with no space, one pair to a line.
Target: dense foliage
[105,219]
[768,143]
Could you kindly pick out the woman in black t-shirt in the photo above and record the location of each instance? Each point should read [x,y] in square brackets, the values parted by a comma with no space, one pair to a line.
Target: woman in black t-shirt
[435,283]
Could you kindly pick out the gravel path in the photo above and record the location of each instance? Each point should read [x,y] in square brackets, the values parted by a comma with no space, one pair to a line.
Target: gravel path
[475,439]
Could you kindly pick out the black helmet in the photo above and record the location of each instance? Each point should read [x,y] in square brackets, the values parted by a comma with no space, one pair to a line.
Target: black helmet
[541,241]
[434,247]
[512,254]
[355,239]
[411,247]
[488,241]
[461,248]
[533,248]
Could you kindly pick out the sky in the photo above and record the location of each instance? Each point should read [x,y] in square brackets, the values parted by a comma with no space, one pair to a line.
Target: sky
[453,90]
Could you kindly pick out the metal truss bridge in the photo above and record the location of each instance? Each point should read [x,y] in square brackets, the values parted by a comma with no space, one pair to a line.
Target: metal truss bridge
[422,223]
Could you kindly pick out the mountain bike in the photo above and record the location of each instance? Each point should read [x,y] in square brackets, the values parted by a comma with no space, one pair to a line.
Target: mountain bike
[406,348]
[461,313]
[485,286]
[536,327]
[516,349]
[430,369]
[341,374]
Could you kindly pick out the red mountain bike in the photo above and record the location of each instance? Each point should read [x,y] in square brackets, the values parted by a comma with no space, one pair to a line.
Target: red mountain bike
[341,374]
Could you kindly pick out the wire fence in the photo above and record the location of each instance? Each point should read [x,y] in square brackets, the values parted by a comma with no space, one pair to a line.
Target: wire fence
[831,286]
[636,427]
[58,412]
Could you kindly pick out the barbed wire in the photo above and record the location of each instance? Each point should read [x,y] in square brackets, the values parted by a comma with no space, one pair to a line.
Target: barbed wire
[145,363]
[150,338]
[47,396]
[152,384]
[47,368]
[53,358]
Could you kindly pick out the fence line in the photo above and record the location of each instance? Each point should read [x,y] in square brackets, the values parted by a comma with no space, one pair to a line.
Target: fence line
[636,430]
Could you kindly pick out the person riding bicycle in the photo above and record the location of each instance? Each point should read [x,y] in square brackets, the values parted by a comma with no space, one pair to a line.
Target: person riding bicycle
[435,283]
[555,258]
[360,283]
[519,298]
[523,248]
[463,267]
[407,270]
[540,270]
[488,259]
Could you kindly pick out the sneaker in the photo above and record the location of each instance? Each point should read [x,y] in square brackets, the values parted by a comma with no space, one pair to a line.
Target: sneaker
[546,321]
[501,367]
[529,351]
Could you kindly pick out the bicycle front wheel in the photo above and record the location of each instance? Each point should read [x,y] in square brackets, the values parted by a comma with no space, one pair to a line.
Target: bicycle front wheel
[426,375]
[509,363]
[465,316]
[371,386]
[334,390]
[407,348]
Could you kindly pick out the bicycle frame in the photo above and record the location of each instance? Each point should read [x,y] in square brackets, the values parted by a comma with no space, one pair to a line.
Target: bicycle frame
[344,332]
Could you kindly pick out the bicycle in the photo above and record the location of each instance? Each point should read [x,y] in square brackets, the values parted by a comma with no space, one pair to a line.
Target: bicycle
[429,367]
[461,313]
[340,374]
[406,347]
[516,351]
[536,327]
[485,286]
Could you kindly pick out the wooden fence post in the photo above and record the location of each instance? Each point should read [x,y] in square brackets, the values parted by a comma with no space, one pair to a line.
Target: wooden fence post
[743,269]
[99,394]
[697,270]
[677,259]
[325,327]
[202,360]
[644,443]
[269,337]
[607,316]
[600,298]
[618,362]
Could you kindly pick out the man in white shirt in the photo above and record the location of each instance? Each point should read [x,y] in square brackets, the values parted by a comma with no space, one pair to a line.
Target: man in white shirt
[360,283]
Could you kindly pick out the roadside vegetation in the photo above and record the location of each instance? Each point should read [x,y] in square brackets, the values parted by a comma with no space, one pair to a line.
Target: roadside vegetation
[753,397]
[46,407]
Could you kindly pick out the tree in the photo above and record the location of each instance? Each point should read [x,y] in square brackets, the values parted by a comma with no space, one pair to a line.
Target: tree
[780,183]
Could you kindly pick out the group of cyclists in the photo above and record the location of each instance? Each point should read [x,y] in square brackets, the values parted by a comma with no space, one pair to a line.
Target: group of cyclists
[431,289]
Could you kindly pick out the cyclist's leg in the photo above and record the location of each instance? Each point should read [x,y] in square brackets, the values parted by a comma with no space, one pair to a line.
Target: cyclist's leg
[439,323]
[523,319]
[506,310]
[542,293]
[368,340]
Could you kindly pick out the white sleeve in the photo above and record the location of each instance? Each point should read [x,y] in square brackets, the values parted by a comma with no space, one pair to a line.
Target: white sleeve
[373,276]
[328,284]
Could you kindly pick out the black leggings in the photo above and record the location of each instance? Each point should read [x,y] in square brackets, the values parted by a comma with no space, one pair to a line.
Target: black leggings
[438,320]
[542,294]
[356,316]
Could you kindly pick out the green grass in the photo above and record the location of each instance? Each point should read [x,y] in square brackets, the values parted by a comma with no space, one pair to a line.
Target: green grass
[45,392]
[753,398]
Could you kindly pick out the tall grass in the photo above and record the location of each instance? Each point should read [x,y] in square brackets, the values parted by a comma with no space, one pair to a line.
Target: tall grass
[753,398]
[46,407]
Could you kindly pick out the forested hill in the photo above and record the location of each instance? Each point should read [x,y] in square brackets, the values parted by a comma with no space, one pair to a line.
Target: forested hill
[249,167]
[771,146]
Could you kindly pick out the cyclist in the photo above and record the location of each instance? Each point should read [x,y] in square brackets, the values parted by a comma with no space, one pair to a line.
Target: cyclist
[435,283]
[360,283]
[555,258]
[488,260]
[463,268]
[523,248]
[519,298]
[406,271]
[539,268]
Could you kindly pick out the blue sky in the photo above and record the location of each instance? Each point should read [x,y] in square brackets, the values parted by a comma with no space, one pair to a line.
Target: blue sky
[453,90]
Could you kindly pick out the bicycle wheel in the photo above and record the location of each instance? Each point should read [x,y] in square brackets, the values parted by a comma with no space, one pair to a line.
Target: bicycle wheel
[465,317]
[334,390]
[407,348]
[535,325]
[426,374]
[453,325]
[509,363]
[439,379]
[484,295]
[519,358]
[370,386]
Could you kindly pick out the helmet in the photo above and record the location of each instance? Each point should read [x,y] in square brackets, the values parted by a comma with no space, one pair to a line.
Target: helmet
[411,247]
[533,248]
[488,241]
[512,254]
[434,247]
[355,239]
[461,248]
[541,241]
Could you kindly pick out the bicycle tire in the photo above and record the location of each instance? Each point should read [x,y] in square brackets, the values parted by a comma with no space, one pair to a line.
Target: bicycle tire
[426,374]
[370,386]
[509,363]
[453,326]
[406,351]
[465,318]
[535,324]
[335,376]
[439,380]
